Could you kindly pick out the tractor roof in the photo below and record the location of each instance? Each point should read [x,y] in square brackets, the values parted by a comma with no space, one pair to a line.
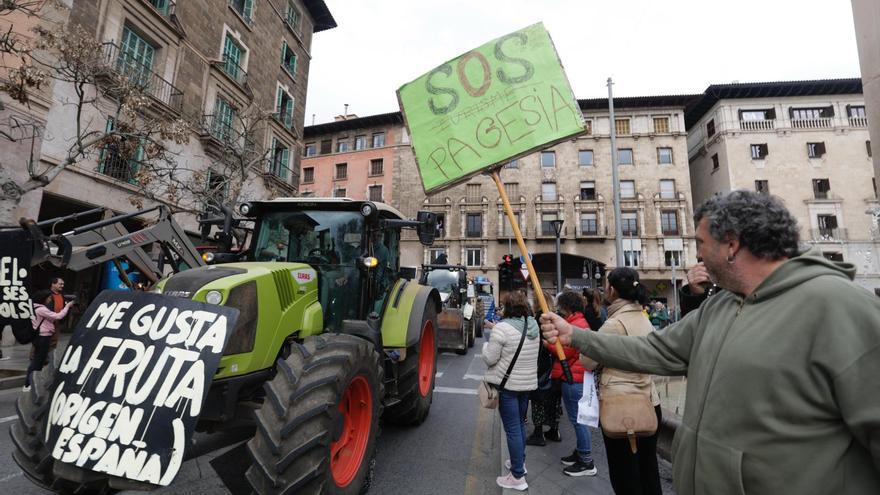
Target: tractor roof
[344,204]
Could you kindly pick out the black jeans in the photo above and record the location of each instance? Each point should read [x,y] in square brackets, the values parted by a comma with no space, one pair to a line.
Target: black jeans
[634,474]
[41,352]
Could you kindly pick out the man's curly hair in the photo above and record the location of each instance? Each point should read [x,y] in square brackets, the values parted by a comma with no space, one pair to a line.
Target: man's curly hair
[760,221]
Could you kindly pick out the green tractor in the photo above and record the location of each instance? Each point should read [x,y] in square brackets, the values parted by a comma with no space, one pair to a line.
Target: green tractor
[332,335]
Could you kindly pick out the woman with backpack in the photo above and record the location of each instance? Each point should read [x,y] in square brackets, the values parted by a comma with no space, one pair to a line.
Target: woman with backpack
[43,323]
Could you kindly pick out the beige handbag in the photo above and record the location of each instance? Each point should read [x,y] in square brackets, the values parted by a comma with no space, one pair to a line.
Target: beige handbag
[488,392]
[628,416]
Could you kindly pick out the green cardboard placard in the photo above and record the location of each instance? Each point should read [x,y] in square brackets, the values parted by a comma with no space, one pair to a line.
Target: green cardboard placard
[503,99]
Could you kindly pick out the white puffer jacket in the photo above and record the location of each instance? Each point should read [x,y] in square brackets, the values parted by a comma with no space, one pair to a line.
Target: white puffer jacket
[499,351]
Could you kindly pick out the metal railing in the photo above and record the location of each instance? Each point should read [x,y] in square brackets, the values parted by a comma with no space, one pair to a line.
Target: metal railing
[285,119]
[858,121]
[113,165]
[757,125]
[278,169]
[141,75]
[823,123]
[828,234]
[233,70]
[227,134]
[164,7]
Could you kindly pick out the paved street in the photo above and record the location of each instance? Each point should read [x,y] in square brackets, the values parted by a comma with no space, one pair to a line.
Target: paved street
[458,450]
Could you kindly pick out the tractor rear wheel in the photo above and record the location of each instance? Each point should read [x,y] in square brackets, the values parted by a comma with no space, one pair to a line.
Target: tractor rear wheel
[472,331]
[416,376]
[317,430]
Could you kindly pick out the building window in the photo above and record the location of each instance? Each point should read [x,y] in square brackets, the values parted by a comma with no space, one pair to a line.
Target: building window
[339,192]
[815,150]
[341,171]
[627,189]
[821,187]
[621,126]
[232,59]
[548,191]
[512,190]
[624,156]
[827,226]
[161,5]
[629,223]
[309,150]
[360,143]
[472,192]
[757,115]
[661,125]
[673,258]
[118,161]
[547,224]
[218,187]
[377,166]
[759,151]
[762,186]
[223,120]
[667,188]
[631,257]
[588,190]
[341,145]
[376,193]
[308,175]
[435,253]
[280,165]
[589,223]
[585,158]
[473,257]
[441,225]
[245,8]
[473,225]
[710,128]
[326,146]
[135,57]
[284,108]
[868,148]
[512,164]
[548,159]
[715,163]
[856,112]
[812,113]
[669,222]
[292,17]
[508,228]
[288,59]
[378,139]
[588,127]
[834,257]
[664,156]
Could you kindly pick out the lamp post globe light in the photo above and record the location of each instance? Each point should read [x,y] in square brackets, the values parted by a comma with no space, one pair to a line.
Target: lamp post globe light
[557,228]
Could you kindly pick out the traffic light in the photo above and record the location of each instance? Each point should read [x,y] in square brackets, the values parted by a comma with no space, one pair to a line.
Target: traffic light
[505,272]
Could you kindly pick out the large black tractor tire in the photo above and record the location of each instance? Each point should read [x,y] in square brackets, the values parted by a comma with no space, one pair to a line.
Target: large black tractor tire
[472,330]
[416,375]
[318,428]
[32,454]
[479,314]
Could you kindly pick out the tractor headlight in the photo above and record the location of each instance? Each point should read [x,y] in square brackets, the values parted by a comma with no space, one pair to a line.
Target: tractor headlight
[208,258]
[213,297]
[367,209]
[371,262]
[245,208]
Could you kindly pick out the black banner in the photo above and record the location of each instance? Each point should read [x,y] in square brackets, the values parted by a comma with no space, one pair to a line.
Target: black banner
[132,382]
[15,281]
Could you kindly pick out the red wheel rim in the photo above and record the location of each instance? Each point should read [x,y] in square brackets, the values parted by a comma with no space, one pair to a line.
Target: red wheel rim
[347,453]
[426,359]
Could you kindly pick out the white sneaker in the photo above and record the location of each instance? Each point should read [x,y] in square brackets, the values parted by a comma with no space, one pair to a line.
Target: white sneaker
[513,483]
[507,465]
[26,388]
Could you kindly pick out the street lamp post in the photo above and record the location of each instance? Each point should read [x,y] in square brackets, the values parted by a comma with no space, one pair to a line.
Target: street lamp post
[557,227]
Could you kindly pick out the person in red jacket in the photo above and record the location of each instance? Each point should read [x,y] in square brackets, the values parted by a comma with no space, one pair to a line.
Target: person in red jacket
[570,305]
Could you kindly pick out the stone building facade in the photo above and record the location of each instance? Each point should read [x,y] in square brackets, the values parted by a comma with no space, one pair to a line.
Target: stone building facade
[205,61]
[806,142]
[866,17]
[570,181]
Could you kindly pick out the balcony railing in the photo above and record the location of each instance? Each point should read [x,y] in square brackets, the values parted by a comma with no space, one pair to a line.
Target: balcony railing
[233,70]
[285,118]
[164,7]
[226,133]
[828,235]
[824,123]
[150,83]
[112,164]
[757,125]
[858,121]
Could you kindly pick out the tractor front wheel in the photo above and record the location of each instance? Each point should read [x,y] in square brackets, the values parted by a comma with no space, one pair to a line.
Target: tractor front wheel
[317,430]
[416,375]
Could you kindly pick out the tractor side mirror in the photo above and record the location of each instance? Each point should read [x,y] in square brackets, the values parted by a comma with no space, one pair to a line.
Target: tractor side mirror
[427,227]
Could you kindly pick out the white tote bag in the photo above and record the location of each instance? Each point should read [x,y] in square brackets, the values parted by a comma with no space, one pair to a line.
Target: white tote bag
[588,406]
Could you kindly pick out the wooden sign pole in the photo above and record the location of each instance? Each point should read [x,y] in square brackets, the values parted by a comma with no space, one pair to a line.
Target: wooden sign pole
[533,275]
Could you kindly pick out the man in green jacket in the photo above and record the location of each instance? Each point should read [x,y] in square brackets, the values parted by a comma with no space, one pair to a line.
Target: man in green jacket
[783,367]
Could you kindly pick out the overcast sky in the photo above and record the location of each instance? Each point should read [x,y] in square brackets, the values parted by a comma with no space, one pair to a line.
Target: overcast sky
[649,47]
